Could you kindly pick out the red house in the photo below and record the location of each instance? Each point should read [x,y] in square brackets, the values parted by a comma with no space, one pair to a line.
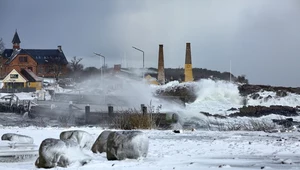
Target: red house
[42,62]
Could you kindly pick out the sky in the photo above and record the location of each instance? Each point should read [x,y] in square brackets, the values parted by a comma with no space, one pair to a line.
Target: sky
[260,38]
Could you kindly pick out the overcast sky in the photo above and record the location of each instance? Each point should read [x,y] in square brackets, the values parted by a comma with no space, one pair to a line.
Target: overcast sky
[261,38]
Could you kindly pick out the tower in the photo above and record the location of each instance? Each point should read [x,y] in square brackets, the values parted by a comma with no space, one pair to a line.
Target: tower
[16,41]
[188,69]
[161,67]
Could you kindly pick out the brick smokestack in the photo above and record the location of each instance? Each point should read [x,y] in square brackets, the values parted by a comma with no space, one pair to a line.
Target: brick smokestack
[161,67]
[188,72]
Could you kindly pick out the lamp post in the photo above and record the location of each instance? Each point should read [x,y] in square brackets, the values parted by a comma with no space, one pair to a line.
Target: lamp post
[143,57]
[101,72]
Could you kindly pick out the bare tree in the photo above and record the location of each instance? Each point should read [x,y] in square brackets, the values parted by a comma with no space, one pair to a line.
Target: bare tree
[76,68]
[76,65]
[2,46]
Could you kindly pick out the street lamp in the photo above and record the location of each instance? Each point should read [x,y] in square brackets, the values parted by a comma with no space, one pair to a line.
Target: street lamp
[143,57]
[102,74]
[100,56]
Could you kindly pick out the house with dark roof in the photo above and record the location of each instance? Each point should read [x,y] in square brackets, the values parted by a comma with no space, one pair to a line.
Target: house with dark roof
[42,62]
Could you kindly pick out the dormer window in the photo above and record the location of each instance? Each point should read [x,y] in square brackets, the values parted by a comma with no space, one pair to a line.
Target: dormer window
[23,59]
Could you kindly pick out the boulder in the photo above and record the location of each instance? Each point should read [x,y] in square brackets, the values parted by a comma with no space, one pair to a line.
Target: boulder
[100,144]
[17,138]
[84,139]
[127,144]
[56,152]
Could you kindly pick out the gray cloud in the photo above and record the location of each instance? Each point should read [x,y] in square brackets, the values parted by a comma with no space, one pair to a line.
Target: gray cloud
[259,37]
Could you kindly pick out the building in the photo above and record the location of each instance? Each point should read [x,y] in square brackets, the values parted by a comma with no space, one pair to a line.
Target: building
[22,81]
[42,62]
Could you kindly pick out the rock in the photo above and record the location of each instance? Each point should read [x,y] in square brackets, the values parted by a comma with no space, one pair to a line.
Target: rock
[268,98]
[258,111]
[84,139]
[100,144]
[255,96]
[56,152]
[127,144]
[281,93]
[248,89]
[177,131]
[17,138]
[232,109]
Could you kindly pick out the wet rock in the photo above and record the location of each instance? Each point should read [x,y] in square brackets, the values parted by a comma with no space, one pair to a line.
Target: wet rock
[127,144]
[62,153]
[232,109]
[255,96]
[100,144]
[258,111]
[248,89]
[281,93]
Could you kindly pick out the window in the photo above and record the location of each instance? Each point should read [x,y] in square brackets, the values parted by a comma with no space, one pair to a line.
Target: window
[30,68]
[14,76]
[23,59]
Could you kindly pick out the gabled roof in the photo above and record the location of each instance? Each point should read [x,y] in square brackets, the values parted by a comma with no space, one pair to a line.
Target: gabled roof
[30,76]
[41,56]
[19,79]
[16,38]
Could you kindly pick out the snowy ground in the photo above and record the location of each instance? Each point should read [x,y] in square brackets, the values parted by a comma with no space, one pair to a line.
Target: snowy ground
[188,150]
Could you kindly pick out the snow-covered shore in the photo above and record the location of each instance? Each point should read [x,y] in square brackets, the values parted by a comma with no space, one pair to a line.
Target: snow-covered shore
[188,150]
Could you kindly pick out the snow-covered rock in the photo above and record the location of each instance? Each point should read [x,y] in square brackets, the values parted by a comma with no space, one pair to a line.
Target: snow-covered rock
[127,144]
[17,138]
[100,144]
[56,152]
[83,138]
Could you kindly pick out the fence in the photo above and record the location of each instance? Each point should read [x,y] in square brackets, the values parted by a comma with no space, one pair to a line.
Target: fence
[17,90]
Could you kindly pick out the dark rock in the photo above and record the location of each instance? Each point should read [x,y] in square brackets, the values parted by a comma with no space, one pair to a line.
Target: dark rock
[258,111]
[255,96]
[186,93]
[232,109]
[281,93]
[100,144]
[267,98]
[126,144]
[288,122]
[247,89]
[177,131]
[215,115]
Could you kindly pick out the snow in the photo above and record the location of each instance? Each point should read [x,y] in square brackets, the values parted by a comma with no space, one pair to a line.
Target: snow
[191,150]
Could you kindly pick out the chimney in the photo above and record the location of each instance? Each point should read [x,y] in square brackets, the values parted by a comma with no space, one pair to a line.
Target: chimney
[161,67]
[188,72]
[59,48]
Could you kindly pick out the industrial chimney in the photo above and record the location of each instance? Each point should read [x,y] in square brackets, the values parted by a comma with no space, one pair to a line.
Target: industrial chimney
[161,67]
[188,72]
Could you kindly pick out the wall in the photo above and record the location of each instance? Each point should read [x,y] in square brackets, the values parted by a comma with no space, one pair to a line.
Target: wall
[17,65]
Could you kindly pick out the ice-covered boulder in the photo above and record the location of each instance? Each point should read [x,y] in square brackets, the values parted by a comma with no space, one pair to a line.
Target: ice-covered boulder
[56,152]
[100,144]
[83,138]
[127,144]
[17,138]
